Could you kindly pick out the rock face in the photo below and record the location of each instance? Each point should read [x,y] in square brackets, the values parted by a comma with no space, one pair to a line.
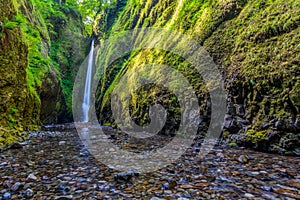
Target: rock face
[18,106]
[39,54]
[53,103]
[257,53]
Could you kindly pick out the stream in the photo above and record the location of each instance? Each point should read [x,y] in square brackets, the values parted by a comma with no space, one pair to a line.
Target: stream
[56,165]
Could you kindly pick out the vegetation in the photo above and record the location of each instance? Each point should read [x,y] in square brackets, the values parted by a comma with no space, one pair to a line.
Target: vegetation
[35,36]
[254,44]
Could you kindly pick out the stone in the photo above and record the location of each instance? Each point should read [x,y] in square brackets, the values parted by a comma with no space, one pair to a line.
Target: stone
[172,184]
[6,195]
[31,177]
[61,142]
[248,195]
[125,176]
[16,186]
[243,159]
[80,179]
[29,193]
[16,145]
[68,197]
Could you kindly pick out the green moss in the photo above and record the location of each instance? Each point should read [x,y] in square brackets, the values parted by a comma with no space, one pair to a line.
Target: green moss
[255,136]
[226,134]
[232,144]
[13,111]
[253,42]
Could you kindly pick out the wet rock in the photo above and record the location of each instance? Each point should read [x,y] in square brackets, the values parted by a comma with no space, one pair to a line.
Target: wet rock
[6,195]
[65,172]
[221,155]
[61,142]
[166,186]
[240,109]
[267,188]
[224,179]
[156,198]
[231,124]
[170,185]
[211,178]
[16,186]
[183,181]
[289,141]
[200,185]
[16,145]
[80,179]
[280,125]
[247,195]
[68,197]
[295,183]
[58,127]
[297,123]
[79,191]
[28,193]
[243,159]
[240,140]
[269,196]
[125,176]
[187,195]
[291,172]
[288,193]
[31,177]
[297,152]
[4,163]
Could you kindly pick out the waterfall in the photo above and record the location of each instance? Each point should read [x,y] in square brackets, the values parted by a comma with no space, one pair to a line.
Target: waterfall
[88,85]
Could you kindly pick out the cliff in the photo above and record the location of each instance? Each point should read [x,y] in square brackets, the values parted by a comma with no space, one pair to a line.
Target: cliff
[39,53]
[255,45]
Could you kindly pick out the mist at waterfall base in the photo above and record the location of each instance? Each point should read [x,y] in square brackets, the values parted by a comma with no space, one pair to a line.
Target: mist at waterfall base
[88,84]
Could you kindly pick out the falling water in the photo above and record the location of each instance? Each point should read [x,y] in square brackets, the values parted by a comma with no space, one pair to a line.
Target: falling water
[88,84]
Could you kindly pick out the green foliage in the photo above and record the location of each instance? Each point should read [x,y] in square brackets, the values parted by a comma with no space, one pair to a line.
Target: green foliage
[255,136]
[255,44]
[89,9]
[38,63]
[52,22]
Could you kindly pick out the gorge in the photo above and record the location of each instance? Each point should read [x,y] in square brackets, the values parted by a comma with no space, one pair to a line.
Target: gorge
[254,45]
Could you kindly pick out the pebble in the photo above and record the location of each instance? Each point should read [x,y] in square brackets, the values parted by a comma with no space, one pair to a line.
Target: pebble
[16,145]
[267,188]
[243,159]
[6,195]
[16,186]
[29,193]
[247,195]
[81,179]
[62,171]
[68,197]
[62,142]
[269,196]
[31,177]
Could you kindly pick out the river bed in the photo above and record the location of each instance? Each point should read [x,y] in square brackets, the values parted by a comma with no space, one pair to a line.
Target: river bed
[56,165]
